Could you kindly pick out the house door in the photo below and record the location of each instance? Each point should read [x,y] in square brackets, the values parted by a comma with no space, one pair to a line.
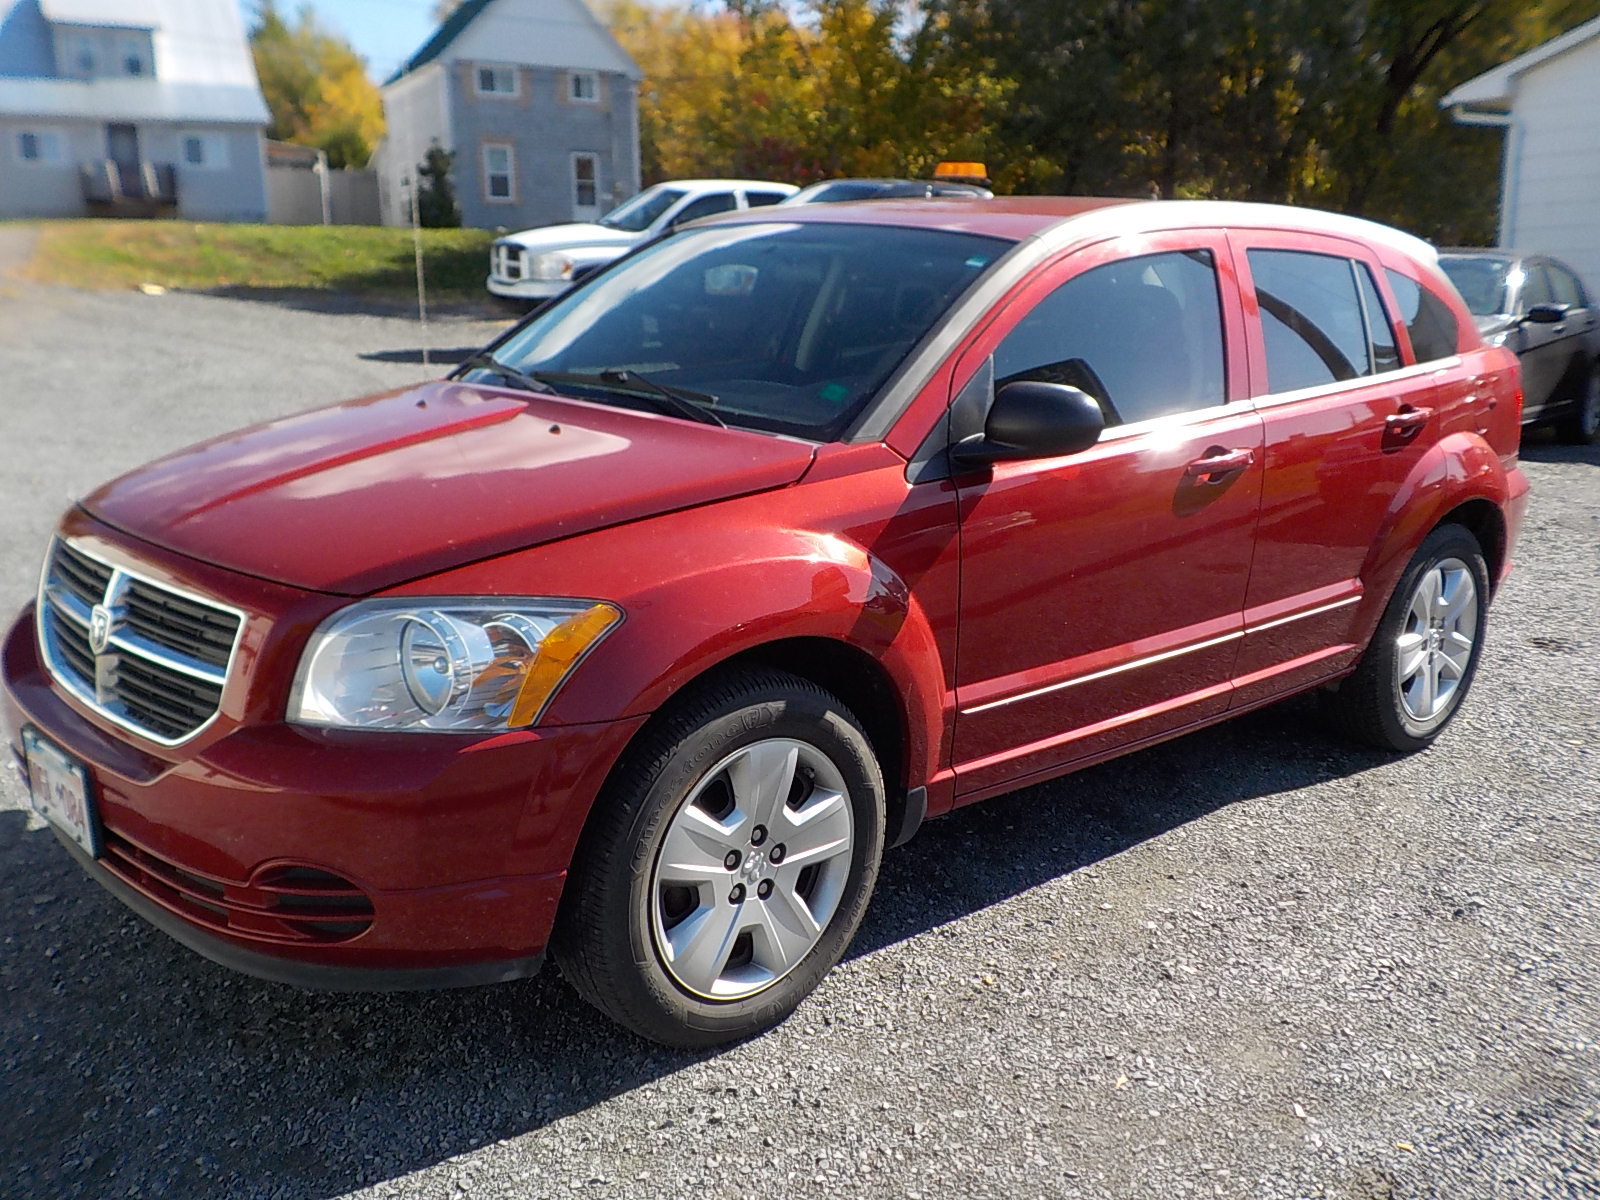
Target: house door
[122,144]
[585,187]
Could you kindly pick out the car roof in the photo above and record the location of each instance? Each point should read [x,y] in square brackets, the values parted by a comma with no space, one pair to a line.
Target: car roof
[711,185]
[1017,218]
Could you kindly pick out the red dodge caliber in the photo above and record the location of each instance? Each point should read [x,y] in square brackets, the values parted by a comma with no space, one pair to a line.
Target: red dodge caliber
[642,636]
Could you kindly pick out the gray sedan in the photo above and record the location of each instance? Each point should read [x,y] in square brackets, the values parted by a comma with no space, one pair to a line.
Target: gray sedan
[1538,308]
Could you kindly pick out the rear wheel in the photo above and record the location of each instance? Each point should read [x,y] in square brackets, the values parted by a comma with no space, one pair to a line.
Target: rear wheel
[1581,426]
[1421,661]
[730,865]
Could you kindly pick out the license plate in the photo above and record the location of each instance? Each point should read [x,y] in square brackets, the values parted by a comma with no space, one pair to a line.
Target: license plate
[58,786]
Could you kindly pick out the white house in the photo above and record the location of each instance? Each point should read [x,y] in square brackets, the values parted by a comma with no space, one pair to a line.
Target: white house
[536,100]
[136,107]
[1546,101]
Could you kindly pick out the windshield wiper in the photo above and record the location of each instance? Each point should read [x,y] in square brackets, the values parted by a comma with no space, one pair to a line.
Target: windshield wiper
[678,402]
[484,361]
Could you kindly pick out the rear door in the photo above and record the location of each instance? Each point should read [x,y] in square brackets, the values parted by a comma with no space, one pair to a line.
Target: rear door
[1346,421]
[1101,591]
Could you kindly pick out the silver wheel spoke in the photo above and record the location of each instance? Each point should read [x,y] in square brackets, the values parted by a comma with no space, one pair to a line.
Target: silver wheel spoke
[762,777]
[820,830]
[784,932]
[698,946]
[1413,656]
[1458,597]
[695,849]
[1455,654]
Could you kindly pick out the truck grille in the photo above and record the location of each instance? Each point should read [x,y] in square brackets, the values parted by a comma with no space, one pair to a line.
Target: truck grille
[506,261]
[148,657]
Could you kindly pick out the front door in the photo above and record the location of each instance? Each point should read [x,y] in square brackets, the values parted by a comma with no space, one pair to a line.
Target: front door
[585,187]
[1101,592]
[122,148]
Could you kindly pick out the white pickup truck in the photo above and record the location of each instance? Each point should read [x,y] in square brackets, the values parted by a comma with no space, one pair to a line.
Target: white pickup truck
[539,264]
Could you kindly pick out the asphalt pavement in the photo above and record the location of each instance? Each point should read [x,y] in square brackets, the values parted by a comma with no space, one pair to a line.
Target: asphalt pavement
[1254,962]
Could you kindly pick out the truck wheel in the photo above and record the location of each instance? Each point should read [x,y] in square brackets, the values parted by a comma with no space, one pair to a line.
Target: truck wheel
[728,864]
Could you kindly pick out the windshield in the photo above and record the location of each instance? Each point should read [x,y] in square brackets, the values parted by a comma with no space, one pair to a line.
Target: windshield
[638,214]
[790,327]
[1481,282]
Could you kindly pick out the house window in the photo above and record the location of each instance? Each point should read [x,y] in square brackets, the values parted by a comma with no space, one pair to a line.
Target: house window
[585,87]
[497,81]
[203,151]
[39,147]
[586,180]
[499,171]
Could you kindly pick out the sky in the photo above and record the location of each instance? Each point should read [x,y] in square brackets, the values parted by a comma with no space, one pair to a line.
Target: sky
[384,32]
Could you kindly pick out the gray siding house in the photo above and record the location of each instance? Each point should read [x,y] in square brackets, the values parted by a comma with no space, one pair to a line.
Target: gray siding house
[536,100]
[129,107]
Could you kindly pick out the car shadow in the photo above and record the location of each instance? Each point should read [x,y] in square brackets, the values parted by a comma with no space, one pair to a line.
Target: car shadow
[134,1066]
[1543,446]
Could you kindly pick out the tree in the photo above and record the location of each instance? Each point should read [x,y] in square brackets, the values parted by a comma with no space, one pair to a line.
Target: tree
[444,9]
[316,87]
[436,194]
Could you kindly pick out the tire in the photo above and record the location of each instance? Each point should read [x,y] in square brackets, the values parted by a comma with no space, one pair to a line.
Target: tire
[1581,426]
[1421,661]
[728,863]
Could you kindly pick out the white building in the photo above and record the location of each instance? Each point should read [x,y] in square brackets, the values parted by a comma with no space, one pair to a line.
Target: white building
[1546,101]
[536,100]
[136,107]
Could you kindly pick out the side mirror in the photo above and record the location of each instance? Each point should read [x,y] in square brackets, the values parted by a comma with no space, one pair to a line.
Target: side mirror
[1546,314]
[1033,420]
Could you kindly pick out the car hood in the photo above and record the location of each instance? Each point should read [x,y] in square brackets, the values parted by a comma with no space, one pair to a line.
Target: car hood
[562,237]
[379,491]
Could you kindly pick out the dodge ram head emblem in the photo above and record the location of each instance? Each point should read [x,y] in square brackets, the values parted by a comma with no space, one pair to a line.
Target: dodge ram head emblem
[99,628]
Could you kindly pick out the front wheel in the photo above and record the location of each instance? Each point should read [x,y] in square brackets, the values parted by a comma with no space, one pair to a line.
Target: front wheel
[729,865]
[1581,427]
[1421,661]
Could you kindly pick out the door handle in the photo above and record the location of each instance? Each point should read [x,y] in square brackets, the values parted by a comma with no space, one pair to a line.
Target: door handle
[1213,467]
[1407,420]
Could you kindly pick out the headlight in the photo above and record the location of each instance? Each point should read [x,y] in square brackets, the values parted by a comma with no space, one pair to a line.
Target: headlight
[551,266]
[444,665]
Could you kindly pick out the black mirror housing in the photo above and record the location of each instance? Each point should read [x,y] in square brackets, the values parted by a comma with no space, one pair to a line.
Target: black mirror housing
[1546,314]
[1031,419]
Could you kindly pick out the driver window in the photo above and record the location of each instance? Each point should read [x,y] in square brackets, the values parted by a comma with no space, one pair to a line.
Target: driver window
[705,206]
[1143,336]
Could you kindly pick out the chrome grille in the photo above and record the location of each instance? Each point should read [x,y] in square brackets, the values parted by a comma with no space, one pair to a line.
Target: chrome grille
[507,261]
[150,658]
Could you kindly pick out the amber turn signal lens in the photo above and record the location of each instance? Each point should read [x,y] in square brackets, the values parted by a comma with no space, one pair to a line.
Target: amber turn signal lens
[561,650]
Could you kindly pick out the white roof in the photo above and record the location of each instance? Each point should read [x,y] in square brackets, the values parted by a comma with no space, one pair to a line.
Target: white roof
[126,14]
[132,100]
[1494,89]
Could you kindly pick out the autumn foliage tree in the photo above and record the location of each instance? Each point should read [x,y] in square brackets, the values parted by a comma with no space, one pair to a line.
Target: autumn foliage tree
[316,87]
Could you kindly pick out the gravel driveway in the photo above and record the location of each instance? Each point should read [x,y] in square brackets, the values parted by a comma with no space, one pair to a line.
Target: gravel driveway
[1253,963]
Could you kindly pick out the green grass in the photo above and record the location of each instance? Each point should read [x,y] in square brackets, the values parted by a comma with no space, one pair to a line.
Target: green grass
[357,260]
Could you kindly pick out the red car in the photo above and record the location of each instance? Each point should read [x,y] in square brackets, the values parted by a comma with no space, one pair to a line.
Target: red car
[644,635]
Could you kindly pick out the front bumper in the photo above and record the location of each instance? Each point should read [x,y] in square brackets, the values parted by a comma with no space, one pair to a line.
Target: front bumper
[454,849]
[527,289]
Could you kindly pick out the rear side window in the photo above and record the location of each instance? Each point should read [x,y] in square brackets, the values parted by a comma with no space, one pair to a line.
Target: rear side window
[1312,319]
[762,199]
[1142,336]
[1427,318]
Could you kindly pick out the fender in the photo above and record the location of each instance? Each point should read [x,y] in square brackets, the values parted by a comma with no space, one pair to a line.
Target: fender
[791,585]
[1459,468]
[703,586]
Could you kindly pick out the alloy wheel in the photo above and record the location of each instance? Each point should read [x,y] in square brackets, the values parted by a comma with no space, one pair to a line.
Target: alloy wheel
[1436,646]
